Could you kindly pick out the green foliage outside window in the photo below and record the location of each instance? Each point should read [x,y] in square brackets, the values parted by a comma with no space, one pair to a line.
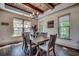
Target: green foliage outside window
[64,27]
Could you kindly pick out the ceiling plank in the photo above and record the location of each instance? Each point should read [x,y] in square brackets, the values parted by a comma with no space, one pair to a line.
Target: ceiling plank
[18,8]
[33,7]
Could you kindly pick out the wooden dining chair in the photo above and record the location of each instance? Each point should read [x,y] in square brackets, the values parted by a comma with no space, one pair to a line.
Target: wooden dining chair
[27,42]
[50,45]
[24,41]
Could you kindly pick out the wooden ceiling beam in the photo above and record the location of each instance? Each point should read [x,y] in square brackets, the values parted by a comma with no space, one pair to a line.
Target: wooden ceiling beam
[33,7]
[52,5]
[18,8]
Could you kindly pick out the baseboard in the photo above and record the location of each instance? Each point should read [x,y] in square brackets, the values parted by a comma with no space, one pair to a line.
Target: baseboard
[10,43]
[67,47]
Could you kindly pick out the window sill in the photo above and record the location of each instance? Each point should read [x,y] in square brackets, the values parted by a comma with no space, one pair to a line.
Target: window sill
[65,38]
[16,36]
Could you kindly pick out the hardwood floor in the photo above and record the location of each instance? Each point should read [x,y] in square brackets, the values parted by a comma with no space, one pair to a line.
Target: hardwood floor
[16,50]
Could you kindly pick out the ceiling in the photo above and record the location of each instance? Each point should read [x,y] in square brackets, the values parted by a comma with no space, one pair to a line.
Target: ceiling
[33,8]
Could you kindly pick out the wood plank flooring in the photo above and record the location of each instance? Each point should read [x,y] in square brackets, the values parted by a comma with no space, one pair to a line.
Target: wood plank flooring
[16,50]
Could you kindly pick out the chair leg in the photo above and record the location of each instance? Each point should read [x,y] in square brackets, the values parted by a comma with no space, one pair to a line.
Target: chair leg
[47,53]
[23,45]
[30,52]
[54,52]
[38,50]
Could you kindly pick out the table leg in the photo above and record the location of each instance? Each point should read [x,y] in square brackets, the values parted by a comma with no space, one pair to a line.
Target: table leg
[38,51]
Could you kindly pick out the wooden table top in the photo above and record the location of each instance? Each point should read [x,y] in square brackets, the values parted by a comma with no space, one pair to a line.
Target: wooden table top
[38,39]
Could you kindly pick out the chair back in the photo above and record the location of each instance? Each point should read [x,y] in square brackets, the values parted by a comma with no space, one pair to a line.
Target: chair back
[26,37]
[52,40]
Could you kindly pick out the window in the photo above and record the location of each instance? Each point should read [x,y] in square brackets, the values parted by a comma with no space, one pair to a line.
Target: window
[41,29]
[18,25]
[64,27]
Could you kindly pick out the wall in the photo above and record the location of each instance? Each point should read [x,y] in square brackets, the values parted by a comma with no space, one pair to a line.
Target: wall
[74,27]
[6,32]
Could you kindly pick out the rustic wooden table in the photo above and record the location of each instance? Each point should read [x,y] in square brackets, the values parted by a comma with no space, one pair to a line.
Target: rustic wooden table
[38,41]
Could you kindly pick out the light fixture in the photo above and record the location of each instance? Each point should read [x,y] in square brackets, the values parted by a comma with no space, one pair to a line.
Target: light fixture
[37,13]
[33,13]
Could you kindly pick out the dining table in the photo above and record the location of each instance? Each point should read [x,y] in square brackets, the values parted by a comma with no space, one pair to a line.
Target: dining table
[38,41]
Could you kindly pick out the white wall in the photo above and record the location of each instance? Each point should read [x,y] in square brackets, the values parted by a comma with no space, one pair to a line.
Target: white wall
[6,32]
[74,27]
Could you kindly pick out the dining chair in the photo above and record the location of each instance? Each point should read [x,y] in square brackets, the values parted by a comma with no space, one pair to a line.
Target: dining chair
[27,42]
[24,41]
[49,45]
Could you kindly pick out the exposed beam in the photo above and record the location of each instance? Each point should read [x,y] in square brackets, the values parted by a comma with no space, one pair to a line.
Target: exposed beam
[18,8]
[52,5]
[48,5]
[33,7]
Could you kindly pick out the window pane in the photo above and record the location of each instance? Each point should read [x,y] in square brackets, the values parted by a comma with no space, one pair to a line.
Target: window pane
[41,29]
[27,29]
[18,25]
[64,21]
[27,25]
[64,32]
